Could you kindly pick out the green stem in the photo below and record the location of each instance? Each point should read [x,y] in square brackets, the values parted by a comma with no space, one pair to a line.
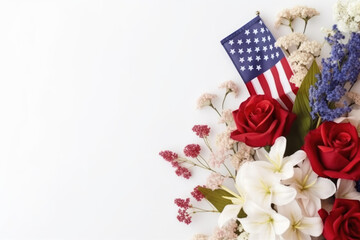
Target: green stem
[318,122]
[212,106]
[232,176]
[306,22]
[222,104]
[203,211]
[233,150]
[184,160]
[204,161]
[290,25]
[207,144]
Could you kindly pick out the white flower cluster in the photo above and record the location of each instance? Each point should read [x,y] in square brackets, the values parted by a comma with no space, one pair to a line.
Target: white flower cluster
[280,196]
[291,40]
[347,15]
[301,58]
[288,15]
[301,51]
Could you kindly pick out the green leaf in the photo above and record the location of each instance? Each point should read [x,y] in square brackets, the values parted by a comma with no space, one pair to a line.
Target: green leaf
[242,213]
[216,197]
[304,122]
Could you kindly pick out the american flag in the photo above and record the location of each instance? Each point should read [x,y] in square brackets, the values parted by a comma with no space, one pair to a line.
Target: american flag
[262,66]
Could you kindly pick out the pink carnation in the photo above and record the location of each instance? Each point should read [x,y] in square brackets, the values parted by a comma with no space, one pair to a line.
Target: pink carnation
[201,130]
[192,150]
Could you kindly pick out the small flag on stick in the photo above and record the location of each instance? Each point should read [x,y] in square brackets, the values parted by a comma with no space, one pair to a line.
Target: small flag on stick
[261,65]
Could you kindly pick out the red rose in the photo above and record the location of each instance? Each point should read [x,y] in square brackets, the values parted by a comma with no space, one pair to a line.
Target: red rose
[260,120]
[333,150]
[343,222]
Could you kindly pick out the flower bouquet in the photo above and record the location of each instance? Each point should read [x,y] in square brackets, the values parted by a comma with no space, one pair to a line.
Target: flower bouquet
[287,165]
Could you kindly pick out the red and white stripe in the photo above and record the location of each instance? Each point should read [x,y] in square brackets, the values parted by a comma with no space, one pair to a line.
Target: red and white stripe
[275,82]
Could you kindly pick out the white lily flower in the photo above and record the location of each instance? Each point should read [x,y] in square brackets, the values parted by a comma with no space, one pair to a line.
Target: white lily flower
[301,228]
[263,223]
[275,162]
[231,211]
[263,187]
[310,188]
[346,190]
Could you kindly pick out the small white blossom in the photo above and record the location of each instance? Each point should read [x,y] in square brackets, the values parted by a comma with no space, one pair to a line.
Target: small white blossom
[347,15]
[293,39]
[205,100]
[230,86]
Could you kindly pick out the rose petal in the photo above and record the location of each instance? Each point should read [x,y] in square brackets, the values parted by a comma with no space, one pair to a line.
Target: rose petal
[331,159]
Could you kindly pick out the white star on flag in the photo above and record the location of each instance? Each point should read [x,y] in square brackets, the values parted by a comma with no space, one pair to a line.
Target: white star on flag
[249,50]
[241,60]
[255,31]
[241,50]
[262,30]
[251,67]
[250,59]
[239,42]
[258,58]
[271,47]
[256,40]
[258,67]
[242,68]
[248,41]
[231,42]
[247,32]
[264,48]
[232,51]
[266,57]
[257,49]
[264,39]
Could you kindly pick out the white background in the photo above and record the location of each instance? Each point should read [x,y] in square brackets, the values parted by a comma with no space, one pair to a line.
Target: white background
[91,91]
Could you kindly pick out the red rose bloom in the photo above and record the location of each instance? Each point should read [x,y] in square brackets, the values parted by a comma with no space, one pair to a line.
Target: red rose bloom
[343,222]
[333,150]
[260,120]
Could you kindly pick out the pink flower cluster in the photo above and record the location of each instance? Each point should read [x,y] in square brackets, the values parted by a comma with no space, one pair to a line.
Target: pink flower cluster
[197,194]
[201,130]
[214,181]
[168,155]
[172,158]
[184,205]
[228,231]
[182,171]
[192,150]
